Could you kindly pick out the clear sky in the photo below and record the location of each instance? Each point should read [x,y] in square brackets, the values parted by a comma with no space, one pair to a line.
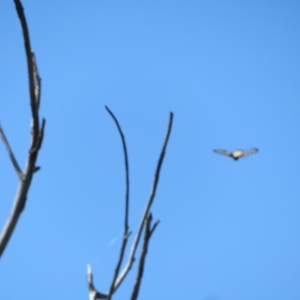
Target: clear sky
[230,72]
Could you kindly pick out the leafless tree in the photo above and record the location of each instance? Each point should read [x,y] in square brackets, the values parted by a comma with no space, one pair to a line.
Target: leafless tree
[25,177]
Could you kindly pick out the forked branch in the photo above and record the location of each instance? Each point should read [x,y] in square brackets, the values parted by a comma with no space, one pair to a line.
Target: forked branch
[148,206]
[144,224]
[37,133]
[93,293]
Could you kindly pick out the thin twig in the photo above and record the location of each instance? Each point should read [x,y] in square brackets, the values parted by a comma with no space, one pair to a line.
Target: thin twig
[126,227]
[126,168]
[148,206]
[11,154]
[147,235]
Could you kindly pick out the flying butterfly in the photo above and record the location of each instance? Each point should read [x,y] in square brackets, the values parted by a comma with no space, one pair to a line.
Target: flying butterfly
[238,153]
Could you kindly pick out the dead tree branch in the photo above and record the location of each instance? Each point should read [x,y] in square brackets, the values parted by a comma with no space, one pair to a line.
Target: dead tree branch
[144,224]
[11,154]
[31,67]
[37,132]
[126,227]
[147,235]
[148,206]
[93,293]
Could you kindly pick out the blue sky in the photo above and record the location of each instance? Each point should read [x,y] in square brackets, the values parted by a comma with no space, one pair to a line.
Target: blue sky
[230,71]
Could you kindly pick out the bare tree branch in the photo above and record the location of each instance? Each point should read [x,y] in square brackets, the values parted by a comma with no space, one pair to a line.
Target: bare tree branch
[36,136]
[93,293]
[11,154]
[126,227]
[147,235]
[148,206]
[145,223]
[126,168]
[31,68]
